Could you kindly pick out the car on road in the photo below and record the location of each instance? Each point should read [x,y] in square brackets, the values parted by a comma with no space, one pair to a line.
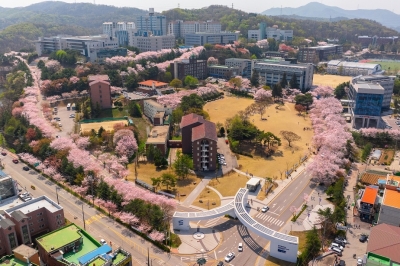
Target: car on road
[26,168]
[363,238]
[240,247]
[72,116]
[339,242]
[220,263]
[3,153]
[15,161]
[103,242]
[265,209]
[229,257]
[336,250]
[57,118]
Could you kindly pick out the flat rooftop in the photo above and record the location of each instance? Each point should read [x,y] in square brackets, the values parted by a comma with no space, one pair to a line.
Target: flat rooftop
[391,198]
[34,204]
[162,135]
[370,88]
[60,238]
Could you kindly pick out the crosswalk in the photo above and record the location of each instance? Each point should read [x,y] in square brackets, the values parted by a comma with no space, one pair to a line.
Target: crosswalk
[269,219]
[94,218]
[212,222]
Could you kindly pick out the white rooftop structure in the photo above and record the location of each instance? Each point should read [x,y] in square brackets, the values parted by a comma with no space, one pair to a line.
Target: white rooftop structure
[344,68]
[371,88]
[31,205]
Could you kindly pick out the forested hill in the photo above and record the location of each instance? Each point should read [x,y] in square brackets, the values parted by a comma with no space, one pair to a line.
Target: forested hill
[55,12]
[232,19]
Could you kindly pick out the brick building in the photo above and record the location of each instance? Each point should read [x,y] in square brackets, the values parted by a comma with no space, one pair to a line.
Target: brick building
[320,53]
[193,67]
[199,138]
[100,91]
[20,223]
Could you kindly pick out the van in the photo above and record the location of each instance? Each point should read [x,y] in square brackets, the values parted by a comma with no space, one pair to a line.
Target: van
[69,106]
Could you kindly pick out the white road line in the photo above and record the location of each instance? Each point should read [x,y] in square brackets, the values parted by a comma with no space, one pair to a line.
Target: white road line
[273,213]
[269,218]
[284,201]
[291,194]
[281,223]
[215,254]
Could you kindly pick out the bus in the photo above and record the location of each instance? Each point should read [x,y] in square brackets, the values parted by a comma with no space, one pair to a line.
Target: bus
[69,106]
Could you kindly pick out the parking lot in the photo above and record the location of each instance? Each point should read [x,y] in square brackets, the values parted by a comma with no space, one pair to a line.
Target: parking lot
[67,123]
[391,122]
[230,159]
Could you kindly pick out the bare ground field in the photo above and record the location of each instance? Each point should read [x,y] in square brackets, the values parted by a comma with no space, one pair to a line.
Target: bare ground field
[329,80]
[286,118]
[229,184]
[108,125]
[207,199]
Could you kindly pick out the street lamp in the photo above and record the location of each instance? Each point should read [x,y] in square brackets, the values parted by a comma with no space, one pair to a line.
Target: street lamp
[58,202]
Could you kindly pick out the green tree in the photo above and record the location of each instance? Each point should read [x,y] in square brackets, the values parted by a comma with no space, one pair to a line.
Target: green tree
[255,79]
[304,99]
[177,115]
[134,109]
[283,81]
[176,83]
[156,182]
[40,64]
[396,88]
[312,246]
[191,81]
[168,180]
[191,101]
[293,82]
[340,92]
[277,90]
[131,82]
[115,78]
[182,165]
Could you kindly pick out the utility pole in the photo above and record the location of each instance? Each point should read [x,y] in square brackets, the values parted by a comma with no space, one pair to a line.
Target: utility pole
[83,216]
[58,202]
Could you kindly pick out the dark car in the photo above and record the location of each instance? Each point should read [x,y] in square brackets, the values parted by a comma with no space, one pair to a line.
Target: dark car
[220,263]
[341,263]
[341,238]
[363,238]
[15,161]
[3,153]
[25,168]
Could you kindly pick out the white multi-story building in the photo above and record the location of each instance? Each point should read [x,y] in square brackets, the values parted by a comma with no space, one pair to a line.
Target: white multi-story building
[155,111]
[244,66]
[180,28]
[156,24]
[152,43]
[271,72]
[265,32]
[122,31]
[201,38]
[344,68]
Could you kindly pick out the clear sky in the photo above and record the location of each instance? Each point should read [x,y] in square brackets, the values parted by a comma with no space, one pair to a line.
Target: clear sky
[248,5]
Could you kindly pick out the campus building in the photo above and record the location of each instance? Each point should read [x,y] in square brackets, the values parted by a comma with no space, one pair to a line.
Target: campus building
[88,46]
[158,138]
[365,103]
[193,67]
[149,42]
[199,138]
[100,91]
[156,112]
[389,212]
[366,41]
[265,32]
[71,245]
[180,28]
[343,68]
[22,256]
[156,24]
[320,53]
[383,245]
[154,87]
[367,203]
[201,38]
[121,31]
[222,72]
[244,66]
[271,72]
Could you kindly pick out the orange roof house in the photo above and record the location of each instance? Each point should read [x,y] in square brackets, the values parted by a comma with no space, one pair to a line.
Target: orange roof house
[370,195]
[149,84]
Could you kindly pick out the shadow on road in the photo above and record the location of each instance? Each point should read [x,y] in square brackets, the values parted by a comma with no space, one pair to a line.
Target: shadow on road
[250,242]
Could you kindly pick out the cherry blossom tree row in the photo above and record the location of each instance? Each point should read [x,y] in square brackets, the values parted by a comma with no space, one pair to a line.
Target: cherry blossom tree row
[173,100]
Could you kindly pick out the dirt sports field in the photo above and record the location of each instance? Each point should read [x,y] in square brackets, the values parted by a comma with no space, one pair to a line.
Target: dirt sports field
[107,125]
[329,80]
[286,118]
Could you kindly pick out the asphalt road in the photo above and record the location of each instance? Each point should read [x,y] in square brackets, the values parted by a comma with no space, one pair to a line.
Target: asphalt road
[97,224]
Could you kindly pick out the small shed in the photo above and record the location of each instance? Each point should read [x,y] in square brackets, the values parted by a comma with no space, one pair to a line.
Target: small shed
[253,184]
[376,155]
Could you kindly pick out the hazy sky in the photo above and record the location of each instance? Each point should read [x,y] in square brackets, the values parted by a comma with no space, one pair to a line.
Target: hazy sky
[247,5]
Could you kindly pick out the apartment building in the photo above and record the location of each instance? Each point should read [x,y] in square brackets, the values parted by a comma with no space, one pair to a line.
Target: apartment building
[71,245]
[271,72]
[156,24]
[100,91]
[180,28]
[193,67]
[201,38]
[244,66]
[88,46]
[367,204]
[199,138]
[343,68]
[265,32]
[148,42]
[122,31]
[320,53]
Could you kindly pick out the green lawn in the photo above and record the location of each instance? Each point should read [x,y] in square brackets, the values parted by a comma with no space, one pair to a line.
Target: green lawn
[389,66]
[60,238]
[114,112]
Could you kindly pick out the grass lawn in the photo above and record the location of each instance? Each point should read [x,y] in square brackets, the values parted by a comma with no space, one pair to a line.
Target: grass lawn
[141,125]
[329,80]
[229,184]
[286,118]
[147,170]
[114,112]
[302,238]
[390,66]
[208,198]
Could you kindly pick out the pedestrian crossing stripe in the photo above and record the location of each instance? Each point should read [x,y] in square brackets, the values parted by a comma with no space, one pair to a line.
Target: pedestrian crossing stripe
[94,218]
[270,219]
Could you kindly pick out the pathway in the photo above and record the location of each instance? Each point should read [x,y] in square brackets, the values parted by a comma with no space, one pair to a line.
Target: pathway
[197,190]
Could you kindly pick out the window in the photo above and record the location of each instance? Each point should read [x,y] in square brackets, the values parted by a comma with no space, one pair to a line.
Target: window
[25,234]
[30,218]
[12,240]
[41,220]
[99,86]
[58,216]
[39,214]
[31,224]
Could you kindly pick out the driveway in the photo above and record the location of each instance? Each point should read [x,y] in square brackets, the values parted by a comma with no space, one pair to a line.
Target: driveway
[66,122]
[230,158]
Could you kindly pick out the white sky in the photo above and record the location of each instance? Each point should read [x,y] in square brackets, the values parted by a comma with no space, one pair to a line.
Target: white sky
[248,6]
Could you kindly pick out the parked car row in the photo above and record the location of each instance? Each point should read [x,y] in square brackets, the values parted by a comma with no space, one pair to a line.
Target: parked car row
[221,159]
[25,196]
[338,245]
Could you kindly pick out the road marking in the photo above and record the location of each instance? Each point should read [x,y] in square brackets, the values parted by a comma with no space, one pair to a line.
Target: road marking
[290,193]
[215,254]
[284,201]
[273,213]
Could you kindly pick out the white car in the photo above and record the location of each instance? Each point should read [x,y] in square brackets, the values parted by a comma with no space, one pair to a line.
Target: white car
[103,242]
[230,256]
[265,209]
[240,247]
[72,116]
[336,245]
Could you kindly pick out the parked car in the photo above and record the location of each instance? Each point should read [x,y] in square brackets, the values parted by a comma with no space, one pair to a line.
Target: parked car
[337,251]
[341,263]
[229,257]
[72,116]
[340,242]
[240,247]
[336,245]
[359,262]
[103,242]
[265,209]
[26,168]
[363,238]
[220,263]
[15,161]
[3,153]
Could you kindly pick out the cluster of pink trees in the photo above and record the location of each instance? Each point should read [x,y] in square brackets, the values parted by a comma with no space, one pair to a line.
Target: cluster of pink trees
[263,44]
[262,94]
[330,139]
[116,89]
[285,48]
[53,65]
[212,61]
[375,132]
[126,144]
[74,79]
[322,91]
[173,100]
